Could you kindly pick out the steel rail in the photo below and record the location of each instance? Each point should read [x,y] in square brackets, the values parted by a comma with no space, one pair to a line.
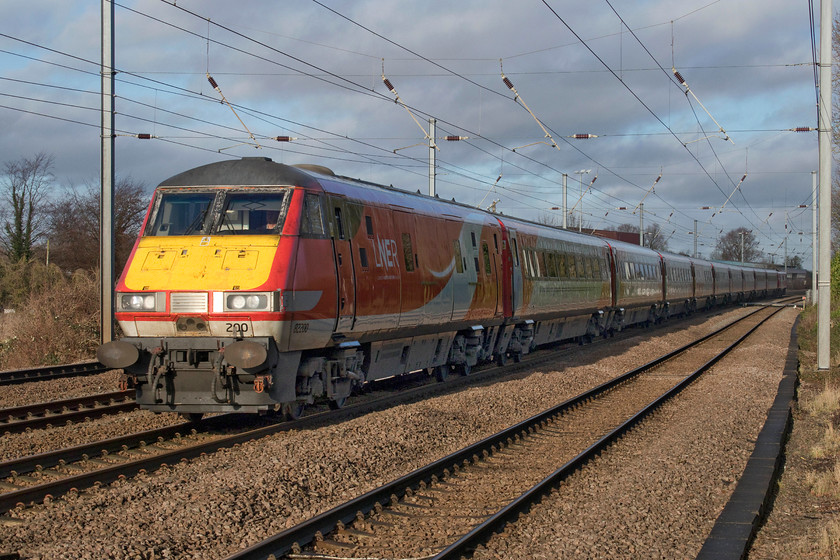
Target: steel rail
[55,413]
[11,377]
[307,532]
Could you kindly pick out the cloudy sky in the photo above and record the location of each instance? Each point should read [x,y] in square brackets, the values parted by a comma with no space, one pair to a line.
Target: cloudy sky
[312,70]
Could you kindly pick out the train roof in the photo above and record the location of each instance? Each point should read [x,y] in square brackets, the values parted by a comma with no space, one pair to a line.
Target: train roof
[246,171]
[262,171]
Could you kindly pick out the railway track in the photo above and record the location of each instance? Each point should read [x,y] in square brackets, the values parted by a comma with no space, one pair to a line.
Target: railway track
[55,413]
[31,479]
[453,505]
[11,377]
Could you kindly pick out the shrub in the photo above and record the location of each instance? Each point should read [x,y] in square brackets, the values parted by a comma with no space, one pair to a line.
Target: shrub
[57,323]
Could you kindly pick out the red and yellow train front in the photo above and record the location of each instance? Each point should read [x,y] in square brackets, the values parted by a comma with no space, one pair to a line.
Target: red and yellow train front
[207,298]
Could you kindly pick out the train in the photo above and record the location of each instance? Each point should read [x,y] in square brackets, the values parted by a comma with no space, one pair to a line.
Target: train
[260,287]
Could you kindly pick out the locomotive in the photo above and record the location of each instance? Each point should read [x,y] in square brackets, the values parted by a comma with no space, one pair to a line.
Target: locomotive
[259,287]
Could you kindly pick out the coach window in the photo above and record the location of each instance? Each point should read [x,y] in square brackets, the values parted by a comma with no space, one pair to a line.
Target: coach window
[587,263]
[486,252]
[472,235]
[581,271]
[339,224]
[542,265]
[408,252]
[363,258]
[561,266]
[369,225]
[570,261]
[459,262]
[551,265]
[516,252]
[311,222]
[536,263]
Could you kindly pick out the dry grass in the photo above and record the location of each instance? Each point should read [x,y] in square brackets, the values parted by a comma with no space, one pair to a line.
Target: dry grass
[823,409]
[824,482]
[57,324]
[829,543]
[825,403]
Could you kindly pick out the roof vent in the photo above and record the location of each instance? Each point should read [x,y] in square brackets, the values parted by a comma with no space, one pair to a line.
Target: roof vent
[315,168]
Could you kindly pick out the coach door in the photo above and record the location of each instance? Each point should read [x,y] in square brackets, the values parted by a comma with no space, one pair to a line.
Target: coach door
[516,275]
[411,289]
[343,258]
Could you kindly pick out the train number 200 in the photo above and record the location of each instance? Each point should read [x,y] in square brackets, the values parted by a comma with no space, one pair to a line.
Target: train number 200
[300,328]
[236,327]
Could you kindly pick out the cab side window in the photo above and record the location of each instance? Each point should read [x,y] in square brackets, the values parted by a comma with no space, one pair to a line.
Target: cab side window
[312,222]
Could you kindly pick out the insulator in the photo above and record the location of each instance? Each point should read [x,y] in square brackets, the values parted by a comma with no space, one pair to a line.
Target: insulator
[744,177]
[803,129]
[144,136]
[679,77]
[388,84]
[283,138]
[212,82]
[507,82]
[452,138]
[582,136]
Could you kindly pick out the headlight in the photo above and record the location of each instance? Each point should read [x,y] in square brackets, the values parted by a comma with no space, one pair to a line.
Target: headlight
[248,301]
[148,301]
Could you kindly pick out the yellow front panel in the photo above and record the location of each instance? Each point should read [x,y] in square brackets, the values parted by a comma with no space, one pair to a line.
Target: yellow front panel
[202,263]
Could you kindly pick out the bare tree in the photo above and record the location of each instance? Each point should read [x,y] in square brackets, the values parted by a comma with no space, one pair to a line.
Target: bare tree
[25,187]
[74,224]
[729,246]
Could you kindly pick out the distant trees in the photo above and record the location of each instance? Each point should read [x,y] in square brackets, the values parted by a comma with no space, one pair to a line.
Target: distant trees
[40,222]
[729,246]
[74,224]
[653,235]
[794,261]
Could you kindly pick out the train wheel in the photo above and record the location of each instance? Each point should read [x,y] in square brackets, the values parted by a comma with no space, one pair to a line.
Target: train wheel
[192,416]
[463,369]
[501,359]
[517,357]
[441,372]
[293,410]
[338,403]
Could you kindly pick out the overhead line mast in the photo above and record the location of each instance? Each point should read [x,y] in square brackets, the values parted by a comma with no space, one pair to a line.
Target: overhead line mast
[106,200]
